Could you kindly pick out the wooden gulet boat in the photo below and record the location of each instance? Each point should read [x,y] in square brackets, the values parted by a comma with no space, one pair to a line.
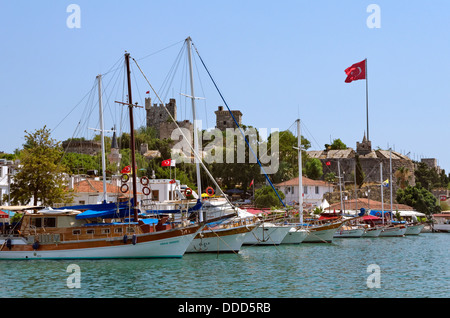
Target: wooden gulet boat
[64,235]
[61,235]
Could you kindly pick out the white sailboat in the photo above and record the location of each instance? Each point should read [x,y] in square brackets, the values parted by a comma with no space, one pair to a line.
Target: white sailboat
[298,233]
[214,238]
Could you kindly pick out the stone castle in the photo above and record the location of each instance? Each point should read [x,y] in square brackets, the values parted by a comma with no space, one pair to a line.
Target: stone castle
[159,119]
[370,163]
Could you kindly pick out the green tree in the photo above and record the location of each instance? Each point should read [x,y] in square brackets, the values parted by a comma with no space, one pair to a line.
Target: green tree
[267,198]
[360,176]
[428,177]
[314,168]
[419,198]
[41,173]
[337,145]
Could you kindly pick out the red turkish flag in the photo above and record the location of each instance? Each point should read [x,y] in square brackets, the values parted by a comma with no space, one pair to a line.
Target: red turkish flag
[356,72]
[166,163]
[126,169]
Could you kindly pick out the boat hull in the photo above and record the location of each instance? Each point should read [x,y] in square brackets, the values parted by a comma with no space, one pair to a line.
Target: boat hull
[414,229]
[393,231]
[295,236]
[351,233]
[164,244]
[322,234]
[220,240]
[372,232]
[267,234]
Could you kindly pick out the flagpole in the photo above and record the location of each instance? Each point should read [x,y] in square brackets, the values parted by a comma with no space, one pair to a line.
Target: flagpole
[367,101]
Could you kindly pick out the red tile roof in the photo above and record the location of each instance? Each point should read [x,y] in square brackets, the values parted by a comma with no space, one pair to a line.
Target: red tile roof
[94,186]
[305,181]
[365,203]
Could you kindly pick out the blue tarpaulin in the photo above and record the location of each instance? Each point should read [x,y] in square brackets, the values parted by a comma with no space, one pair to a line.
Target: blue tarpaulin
[106,214]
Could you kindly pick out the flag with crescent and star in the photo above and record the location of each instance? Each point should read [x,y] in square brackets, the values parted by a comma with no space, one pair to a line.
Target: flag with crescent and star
[356,72]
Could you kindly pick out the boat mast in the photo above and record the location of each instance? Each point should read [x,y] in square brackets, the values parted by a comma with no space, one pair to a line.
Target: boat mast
[199,183]
[300,176]
[390,178]
[132,146]
[381,187]
[340,184]
[102,134]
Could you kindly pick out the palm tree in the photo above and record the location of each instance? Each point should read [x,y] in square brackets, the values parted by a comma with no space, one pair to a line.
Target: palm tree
[403,175]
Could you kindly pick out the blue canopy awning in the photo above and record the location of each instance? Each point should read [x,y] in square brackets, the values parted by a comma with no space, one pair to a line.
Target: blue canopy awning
[105,214]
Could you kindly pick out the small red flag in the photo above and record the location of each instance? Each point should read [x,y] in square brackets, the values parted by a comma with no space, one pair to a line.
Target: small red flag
[126,169]
[172,181]
[147,92]
[328,163]
[166,163]
[251,183]
[356,72]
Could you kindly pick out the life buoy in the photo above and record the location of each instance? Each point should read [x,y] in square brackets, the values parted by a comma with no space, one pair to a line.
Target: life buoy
[210,191]
[146,190]
[124,188]
[187,192]
[125,178]
[144,181]
[378,214]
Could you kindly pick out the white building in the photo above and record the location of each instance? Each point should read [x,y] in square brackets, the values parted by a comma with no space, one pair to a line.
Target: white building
[90,190]
[313,192]
[5,178]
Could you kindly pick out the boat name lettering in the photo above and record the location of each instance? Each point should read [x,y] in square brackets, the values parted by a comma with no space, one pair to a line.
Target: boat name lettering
[171,242]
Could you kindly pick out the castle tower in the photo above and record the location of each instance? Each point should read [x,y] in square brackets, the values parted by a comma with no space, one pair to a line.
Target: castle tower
[156,114]
[224,119]
[364,147]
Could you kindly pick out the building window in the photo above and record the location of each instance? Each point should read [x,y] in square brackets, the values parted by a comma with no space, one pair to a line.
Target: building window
[305,190]
[155,195]
[317,190]
[224,122]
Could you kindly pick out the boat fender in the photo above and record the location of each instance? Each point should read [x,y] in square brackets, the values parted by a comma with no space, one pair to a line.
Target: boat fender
[125,239]
[124,188]
[144,181]
[134,239]
[210,191]
[124,178]
[36,245]
[8,243]
[146,190]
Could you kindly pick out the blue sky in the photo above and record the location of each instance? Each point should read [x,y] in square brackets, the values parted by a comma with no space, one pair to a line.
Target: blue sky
[273,60]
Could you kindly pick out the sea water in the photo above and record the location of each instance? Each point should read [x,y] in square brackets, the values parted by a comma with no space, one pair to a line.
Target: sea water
[385,267]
